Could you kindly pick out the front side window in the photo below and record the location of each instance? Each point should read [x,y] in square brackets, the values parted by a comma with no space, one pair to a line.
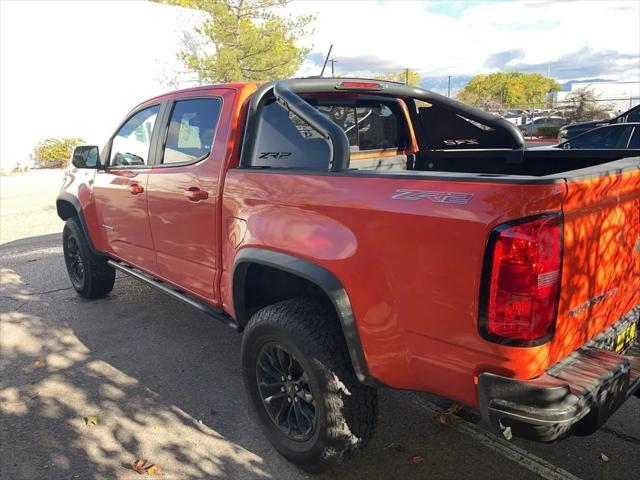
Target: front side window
[130,145]
[191,130]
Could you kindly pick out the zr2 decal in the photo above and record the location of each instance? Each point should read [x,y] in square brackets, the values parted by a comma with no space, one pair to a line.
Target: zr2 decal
[274,155]
[469,141]
[437,197]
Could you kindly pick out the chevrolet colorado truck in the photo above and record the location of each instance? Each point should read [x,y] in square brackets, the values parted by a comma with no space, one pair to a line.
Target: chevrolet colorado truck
[366,234]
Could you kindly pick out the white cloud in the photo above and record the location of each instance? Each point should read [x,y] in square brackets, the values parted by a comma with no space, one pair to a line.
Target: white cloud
[408,34]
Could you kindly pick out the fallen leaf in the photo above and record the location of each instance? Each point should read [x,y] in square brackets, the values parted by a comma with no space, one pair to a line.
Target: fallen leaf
[446,418]
[453,408]
[37,363]
[91,421]
[138,465]
[506,433]
[417,460]
[153,469]
[604,458]
[448,415]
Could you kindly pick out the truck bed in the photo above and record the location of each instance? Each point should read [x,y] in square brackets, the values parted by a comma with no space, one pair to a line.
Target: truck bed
[547,164]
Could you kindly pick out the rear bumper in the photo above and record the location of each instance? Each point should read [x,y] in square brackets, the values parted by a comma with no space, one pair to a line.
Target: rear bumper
[573,397]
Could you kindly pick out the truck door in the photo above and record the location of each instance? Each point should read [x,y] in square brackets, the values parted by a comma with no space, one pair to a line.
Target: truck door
[183,191]
[120,190]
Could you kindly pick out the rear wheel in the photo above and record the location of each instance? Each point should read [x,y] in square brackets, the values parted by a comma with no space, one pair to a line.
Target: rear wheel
[299,378]
[89,273]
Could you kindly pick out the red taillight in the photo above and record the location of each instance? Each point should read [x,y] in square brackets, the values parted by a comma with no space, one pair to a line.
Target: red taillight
[522,281]
[359,85]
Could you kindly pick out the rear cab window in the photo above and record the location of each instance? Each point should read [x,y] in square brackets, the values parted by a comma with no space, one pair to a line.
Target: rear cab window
[377,130]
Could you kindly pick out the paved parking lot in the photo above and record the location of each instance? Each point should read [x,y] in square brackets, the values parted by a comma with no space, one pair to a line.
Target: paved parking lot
[164,383]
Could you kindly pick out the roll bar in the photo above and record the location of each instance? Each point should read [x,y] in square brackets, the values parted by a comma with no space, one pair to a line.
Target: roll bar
[286,93]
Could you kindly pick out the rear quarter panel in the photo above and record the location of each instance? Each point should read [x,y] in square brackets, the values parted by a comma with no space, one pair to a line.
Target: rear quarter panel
[411,268]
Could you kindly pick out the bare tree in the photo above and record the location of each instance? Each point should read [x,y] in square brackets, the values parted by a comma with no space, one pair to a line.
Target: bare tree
[583,105]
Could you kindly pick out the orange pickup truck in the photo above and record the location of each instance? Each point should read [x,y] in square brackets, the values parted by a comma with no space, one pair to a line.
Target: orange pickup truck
[367,234]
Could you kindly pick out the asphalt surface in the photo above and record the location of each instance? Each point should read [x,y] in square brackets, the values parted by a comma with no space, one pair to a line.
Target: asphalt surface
[164,384]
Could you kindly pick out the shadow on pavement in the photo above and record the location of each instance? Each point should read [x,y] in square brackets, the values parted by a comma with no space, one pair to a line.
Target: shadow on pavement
[165,384]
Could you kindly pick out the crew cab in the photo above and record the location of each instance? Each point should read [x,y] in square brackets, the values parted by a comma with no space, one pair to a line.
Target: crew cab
[364,234]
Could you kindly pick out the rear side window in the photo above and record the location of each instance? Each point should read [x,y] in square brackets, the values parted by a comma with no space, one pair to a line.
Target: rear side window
[191,130]
[379,127]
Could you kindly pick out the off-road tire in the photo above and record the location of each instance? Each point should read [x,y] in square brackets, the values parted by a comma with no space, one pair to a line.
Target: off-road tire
[97,276]
[345,409]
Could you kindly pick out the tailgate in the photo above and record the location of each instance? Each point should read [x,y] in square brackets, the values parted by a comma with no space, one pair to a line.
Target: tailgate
[601,265]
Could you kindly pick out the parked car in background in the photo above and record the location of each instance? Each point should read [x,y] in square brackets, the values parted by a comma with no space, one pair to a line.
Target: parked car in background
[537,126]
[570,131]
[621,136]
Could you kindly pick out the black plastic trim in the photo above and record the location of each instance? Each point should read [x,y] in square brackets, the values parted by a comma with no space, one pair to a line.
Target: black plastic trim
[75,203]
[165,288]
[316,274]
[486,281]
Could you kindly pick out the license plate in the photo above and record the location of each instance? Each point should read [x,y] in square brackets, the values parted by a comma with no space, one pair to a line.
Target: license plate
[625,337]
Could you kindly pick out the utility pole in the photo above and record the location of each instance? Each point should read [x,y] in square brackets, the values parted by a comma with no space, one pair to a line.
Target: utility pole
[406,76]
[332,65]
[449,87]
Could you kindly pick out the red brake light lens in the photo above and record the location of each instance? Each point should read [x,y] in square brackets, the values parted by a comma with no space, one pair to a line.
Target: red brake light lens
[520,297]
[359,86]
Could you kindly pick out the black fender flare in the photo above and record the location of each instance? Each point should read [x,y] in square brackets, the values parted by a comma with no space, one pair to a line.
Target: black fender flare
[314,273]
[68,206]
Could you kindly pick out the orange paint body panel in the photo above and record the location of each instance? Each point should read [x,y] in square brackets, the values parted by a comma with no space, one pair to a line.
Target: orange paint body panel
[412,270]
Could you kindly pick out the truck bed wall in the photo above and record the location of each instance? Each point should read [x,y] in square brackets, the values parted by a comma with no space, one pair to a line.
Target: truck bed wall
[535,163]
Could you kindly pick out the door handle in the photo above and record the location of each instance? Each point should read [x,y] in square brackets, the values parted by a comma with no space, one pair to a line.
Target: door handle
[135,188]
[195,194]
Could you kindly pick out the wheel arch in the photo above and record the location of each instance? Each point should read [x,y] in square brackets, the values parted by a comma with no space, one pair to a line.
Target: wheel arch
[68,206]
[310,272]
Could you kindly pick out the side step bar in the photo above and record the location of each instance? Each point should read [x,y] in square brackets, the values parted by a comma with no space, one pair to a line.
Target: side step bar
[163,287]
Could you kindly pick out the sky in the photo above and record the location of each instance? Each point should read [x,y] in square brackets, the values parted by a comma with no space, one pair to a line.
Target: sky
[73,68]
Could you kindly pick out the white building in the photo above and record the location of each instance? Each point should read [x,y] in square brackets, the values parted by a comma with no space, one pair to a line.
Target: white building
[622,95]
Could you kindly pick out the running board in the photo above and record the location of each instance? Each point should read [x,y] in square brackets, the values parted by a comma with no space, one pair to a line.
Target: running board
[163,287]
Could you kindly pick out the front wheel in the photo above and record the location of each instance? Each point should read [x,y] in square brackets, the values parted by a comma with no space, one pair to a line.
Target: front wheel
[89,273]
[299,378]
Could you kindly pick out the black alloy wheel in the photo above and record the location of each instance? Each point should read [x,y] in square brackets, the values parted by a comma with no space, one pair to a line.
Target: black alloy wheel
[285,392]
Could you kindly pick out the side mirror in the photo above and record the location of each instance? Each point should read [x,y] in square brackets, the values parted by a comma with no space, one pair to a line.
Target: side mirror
[86,156]
[566,146]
